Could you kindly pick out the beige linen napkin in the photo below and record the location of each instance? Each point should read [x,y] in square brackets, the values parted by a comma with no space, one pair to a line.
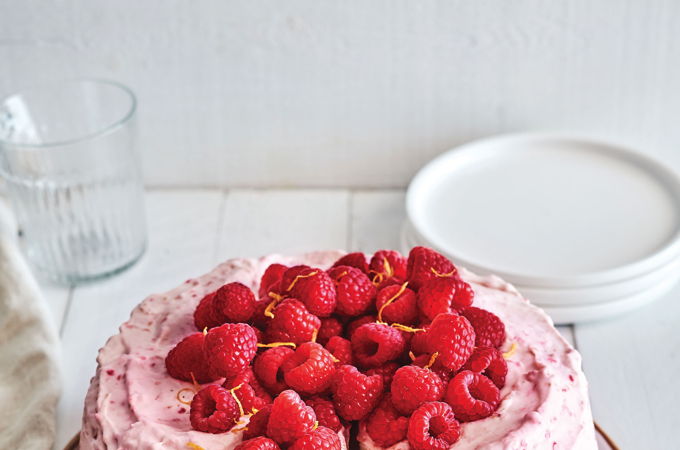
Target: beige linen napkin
[29,375]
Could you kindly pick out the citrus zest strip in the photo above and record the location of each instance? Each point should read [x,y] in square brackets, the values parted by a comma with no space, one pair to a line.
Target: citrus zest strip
[433,358]
[442,275]
[270,307]
[394,297]
[509,353]
[411,355]
[334,358]
[315,334]
[197,386]
[232,391]
[179,395]
[277,344]
[389,271]
[316,425]
[194,446]
[408,329]
[292,284]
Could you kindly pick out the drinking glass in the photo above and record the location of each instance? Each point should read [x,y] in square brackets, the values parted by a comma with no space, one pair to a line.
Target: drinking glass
[72,172]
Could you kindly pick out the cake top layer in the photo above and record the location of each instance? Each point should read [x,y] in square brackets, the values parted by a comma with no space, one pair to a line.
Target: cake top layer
[134,403]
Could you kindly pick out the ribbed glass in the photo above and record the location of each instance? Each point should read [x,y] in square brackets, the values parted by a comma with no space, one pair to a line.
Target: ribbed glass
[68,156]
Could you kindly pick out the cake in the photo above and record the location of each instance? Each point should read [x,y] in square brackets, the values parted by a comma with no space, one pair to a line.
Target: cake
[464,338]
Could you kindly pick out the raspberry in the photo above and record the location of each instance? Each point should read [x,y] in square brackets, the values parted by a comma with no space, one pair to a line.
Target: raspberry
[356,259]
[258,443]
[424,264]
[229,348]
[419,341]
[251,394]
[290,418]
[355,292]
[187,358]
[234,302]
[425,360]
[386,371]
[472,396]
[433,427]
[213,410]
[397,304]
[310,369]
[355,324]
[330,326]
[385,425]
[270,279]
[257,426]
[325,413]
[267,368]
[412,386]
[258,319]
[374,344]
[292,323]
[453,338]
[321,438]
[313,287]
[435,296]
[355,394]
[341,349]
[463,297]
[203,315]
[489,362]
[489,329]
[387,265]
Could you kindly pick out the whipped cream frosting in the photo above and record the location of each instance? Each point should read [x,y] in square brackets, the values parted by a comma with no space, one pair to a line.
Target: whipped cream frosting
[132,403]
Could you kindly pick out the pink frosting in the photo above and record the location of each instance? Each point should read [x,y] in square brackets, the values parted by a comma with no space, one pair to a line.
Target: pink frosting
[132,402]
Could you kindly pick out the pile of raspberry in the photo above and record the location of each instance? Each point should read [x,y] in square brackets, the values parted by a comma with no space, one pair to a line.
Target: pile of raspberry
[391,343]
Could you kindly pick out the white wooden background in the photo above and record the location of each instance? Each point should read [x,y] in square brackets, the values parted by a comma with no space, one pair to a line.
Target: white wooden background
[631,362]
[354,93]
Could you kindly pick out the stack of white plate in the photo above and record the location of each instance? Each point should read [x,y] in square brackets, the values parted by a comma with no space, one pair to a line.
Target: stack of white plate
[583,228]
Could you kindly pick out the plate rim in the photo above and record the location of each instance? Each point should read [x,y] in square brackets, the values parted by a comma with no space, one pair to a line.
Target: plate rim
[668,177]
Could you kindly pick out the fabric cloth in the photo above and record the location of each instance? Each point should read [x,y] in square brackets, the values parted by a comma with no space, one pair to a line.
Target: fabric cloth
[29,374]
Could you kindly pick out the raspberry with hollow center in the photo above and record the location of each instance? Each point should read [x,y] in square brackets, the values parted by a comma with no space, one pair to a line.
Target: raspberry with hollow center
[330,326]
[355,394]
[267,368]
[292,323]
[355,292]
[397,303]
[385,425]
[257,426]
[204,316]
[271,278]
[258,443]
[472,396]
[374,344]
[310,369]
[433,426]
[313,287]
[341,349]
[412,386]
[489,362]
[356,259]
[213,410]
[290,418]
[234,302]
[489,328]
[230,348]
[424,264]
[321,438]
[187,359]
[453,338]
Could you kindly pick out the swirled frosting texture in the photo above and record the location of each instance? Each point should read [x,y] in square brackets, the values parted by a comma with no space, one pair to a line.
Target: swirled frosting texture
[133,404]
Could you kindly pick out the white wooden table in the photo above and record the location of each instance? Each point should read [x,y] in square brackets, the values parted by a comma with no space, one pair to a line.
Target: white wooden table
[631,362]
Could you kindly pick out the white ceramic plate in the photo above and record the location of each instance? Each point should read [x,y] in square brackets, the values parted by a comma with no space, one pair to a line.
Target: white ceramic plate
[548,210]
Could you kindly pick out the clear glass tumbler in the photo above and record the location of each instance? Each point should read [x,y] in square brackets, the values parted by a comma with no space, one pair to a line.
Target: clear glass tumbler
[68,156]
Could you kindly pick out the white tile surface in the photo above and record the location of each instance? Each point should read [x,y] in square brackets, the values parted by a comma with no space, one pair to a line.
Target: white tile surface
[354,93]
[630,362]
